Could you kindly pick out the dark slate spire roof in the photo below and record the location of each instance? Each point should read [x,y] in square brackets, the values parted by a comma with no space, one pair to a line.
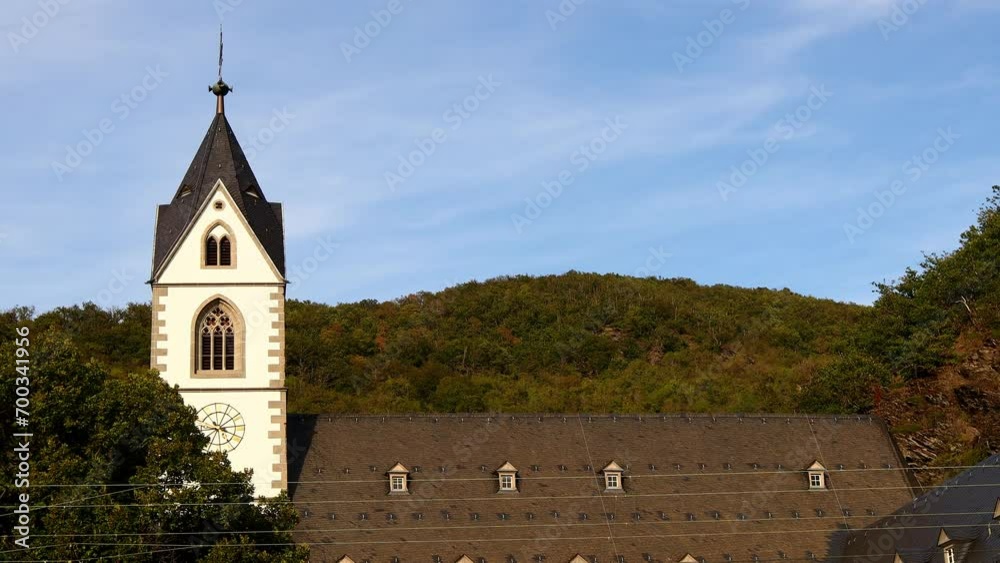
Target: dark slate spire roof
[219,157]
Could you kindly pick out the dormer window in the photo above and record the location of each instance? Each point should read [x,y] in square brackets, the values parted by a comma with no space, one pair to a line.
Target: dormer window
[817,476]
[508,478]
[399,480]
[613,477]
[948,546]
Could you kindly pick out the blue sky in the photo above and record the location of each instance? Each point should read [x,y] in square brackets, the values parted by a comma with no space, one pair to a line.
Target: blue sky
[590,135]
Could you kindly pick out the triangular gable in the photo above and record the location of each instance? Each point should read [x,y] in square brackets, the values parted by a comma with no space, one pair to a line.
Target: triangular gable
[188,235]
[996,510]
[345,559]
[507,468]
[579,559]
[897,558]
[399,468]
[816,466]
[688,558]
[465,559]
[613,467]
[943,538]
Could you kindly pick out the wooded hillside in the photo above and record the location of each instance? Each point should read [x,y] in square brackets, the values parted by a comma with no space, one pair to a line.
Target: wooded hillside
[922,355]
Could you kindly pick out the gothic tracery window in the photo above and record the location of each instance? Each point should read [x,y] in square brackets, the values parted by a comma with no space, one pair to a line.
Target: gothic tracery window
[217,333]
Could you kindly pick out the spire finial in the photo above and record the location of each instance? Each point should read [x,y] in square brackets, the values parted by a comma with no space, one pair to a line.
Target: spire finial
[220,88]
[220,51]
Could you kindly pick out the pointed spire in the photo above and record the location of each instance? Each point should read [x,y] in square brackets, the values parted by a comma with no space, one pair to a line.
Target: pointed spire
[220,88]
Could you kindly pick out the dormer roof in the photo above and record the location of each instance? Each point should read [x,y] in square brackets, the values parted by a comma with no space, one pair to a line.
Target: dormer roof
[507,468]
[688,558]
[816,466]
[579,559]
[943,538]
[613,467]
[399,468]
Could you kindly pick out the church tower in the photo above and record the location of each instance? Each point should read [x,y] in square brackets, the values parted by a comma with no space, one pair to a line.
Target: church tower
[219,304]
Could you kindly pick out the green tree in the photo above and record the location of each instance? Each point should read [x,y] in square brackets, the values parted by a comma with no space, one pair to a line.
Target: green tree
[118,469]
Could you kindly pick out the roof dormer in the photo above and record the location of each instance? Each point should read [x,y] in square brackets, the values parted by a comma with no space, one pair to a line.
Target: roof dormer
[579,559]
[465,559]
[507,474]
[817,476]
[613,477]
[688,558]
[345,559]
[399,480]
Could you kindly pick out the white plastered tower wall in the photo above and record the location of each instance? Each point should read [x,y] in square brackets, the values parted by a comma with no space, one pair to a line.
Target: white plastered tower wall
[254,289]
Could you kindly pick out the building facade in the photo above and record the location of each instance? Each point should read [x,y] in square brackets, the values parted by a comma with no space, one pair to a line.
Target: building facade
[218,286]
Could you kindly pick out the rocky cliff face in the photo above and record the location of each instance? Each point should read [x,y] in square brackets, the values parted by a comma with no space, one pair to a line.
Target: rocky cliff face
[952,419]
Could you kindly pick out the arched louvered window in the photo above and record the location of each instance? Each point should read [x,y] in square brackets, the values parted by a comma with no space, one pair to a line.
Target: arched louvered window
[212,251]
[225,252]
[217,339]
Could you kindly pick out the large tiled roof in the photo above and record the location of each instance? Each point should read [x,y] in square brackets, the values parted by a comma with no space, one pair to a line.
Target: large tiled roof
[219,157]
[716,487]
[965,508]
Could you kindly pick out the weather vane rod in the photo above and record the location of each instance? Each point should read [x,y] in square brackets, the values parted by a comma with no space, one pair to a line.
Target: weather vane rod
[220,51]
